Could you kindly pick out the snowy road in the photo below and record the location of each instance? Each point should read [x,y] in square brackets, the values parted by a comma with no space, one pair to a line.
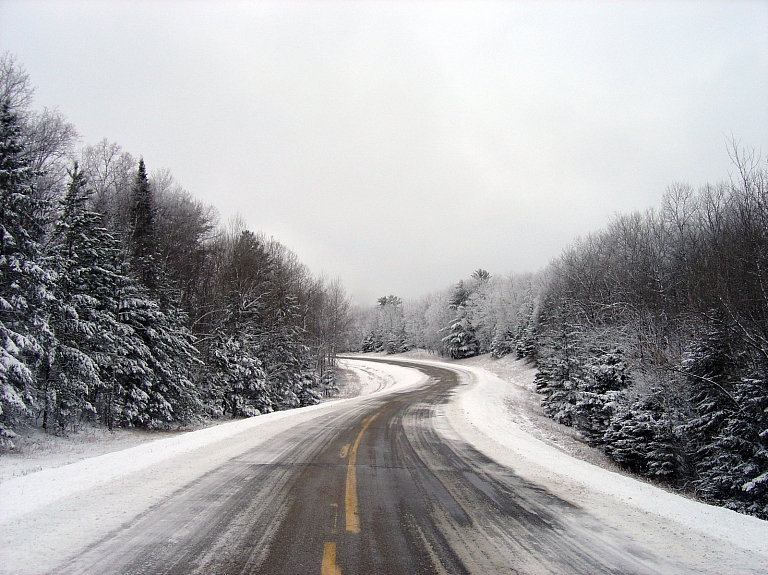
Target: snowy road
[395,482]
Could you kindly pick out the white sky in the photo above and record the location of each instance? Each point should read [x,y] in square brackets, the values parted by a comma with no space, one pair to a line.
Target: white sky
[398,145]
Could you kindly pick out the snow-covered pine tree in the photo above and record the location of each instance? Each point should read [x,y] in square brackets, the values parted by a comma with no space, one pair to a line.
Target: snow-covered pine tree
[237,384]
[390,333]
[732,424]
[460,340]
[25,285]
[117,354]
[526,343]
[142,227]
[503,342]
[629,433]
[560,363]
[71,376]
[371,342]
[328,384]
[597,386]
[156,388]
[649,437]
[286,360]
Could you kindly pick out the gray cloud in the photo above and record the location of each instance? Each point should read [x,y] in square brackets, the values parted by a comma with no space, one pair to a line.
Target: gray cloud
[401,146]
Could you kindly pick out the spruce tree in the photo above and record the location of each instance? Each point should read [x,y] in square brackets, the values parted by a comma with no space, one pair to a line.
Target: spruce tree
[117,354]
[461,340]
[143,239]
[165,394]
[287,363]
[236,382]
[25,284]
[71,374]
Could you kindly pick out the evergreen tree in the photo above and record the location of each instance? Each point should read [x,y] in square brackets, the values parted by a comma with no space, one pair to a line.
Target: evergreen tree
[152,387]
[597,387]
[460,295]
[561,363]
[71,376]
[371,342]
[25,285]
[461,341]
[731,428]
[117,354]
[288,367]
[649,438]
[142,228]
[237,384]
[389,331]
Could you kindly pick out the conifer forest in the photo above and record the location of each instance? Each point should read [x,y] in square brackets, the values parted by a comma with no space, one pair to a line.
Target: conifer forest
[124,301]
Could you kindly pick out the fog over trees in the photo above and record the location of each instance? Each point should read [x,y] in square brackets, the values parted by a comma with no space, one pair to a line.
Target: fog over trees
[650,336]
[125,302]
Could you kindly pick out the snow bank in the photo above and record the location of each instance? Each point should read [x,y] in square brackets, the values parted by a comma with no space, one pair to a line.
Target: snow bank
[478,414]
[374,377]
[708,535]
[25,494]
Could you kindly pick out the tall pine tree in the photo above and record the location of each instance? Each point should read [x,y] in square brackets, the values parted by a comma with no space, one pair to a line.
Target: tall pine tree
[70,374]
[24,283]
[142,229]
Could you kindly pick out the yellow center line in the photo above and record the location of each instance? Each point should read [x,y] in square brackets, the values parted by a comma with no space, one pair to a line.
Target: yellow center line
[329,567]
[350,500]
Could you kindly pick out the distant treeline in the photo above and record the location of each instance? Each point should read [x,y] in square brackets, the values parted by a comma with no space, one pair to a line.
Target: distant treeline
[650,336]
[123,301]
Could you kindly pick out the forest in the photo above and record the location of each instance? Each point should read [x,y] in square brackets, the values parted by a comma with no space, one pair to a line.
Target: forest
[650,336]
[125,302]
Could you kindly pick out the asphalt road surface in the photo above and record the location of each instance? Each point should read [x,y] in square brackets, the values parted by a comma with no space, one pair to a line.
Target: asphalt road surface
[384,487]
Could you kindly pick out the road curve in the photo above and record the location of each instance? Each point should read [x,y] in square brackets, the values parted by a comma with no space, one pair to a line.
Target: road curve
[382,487]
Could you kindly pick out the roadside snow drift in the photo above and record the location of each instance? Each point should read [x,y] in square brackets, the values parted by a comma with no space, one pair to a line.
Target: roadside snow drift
[663,519]
[50,515]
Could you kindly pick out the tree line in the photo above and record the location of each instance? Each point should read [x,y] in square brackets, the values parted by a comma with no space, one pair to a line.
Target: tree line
[124,301]
[478,315]
[650,336]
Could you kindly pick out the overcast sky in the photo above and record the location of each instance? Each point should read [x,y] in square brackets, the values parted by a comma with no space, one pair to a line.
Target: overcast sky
[400,146]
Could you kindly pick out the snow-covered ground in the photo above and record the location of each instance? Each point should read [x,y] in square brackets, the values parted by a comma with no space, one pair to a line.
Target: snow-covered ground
[58,507]
[39,451]
[490,413]
[54,475]
[497,415]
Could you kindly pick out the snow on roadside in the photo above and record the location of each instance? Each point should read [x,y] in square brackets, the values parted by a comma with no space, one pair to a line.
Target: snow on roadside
[32,491]
[479,413]
[367,378]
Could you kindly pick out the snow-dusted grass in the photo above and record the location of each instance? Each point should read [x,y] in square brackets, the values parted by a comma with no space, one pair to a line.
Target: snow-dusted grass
[37,450]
